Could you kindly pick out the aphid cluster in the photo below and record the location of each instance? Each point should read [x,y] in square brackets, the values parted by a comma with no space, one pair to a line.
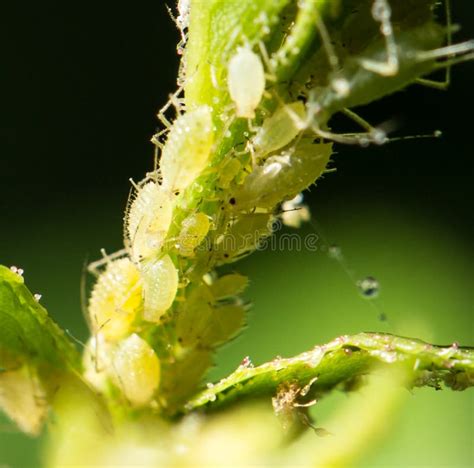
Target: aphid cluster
[232,162]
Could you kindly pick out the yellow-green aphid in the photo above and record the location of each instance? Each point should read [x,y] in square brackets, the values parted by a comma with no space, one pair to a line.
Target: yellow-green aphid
[279,129]
[246,81]
[283,176]
[137,370]
[115,300]
[193,231]
[160,284]
[148,220]
[23,399]
[187,149]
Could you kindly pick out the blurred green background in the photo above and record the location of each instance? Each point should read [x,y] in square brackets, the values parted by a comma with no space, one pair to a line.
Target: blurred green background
[80,89]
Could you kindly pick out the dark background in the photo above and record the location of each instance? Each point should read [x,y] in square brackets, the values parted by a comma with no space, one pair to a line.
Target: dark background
[80,86]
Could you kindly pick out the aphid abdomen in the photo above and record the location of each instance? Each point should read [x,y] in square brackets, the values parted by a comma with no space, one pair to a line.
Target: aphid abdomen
[148,221]
[137,370]
[115,300]
[193,231]
[194,316]
[280,128]
[160,284]
[187,150]
[246,81]
[243,236]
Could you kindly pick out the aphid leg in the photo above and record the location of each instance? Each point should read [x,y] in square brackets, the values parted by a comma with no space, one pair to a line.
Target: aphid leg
[358,120]
[333,59]
[381,12]
[270,76]
[442,85]
[172,101]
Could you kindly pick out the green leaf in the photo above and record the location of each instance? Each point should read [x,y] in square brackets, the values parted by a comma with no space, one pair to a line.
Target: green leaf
[35,355]
[28,334]
[342,361]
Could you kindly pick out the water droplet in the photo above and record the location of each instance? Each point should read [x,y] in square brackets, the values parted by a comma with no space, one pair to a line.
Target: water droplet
[210,385]
[37,297]
[369,287]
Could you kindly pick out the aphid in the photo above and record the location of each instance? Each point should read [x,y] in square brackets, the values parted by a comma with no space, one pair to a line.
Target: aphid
[187,149]
[115,300]
[294,212]
[283,176]
[136,370]
[369,287]
[23,399]
[243,236]
[148,220]
[193,231]
[160,285]
[279,129]
[246,81]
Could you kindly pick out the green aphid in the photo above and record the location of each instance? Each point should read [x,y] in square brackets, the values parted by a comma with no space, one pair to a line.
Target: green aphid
[283,177]
[243,236]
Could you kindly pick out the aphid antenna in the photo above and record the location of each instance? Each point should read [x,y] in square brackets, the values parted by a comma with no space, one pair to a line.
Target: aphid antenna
[381,12]
[333,59]
[75,339]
